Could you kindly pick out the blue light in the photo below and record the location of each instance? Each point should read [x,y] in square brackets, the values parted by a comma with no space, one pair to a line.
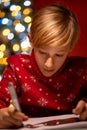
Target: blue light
[0,1]
[19,16]
[7,4]
[1,21]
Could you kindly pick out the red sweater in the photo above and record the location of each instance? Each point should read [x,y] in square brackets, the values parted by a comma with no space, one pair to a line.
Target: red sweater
[40,95]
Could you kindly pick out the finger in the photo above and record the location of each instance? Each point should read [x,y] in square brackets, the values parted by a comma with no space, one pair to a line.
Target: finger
[9,123]
[6,114]
[19,116]
[14,122]
[16,114]
[5,124]
[11,118]
[11,110]
[79,108]
[83,115]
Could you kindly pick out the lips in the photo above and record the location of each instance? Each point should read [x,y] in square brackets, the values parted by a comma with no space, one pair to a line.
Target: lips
[48,70]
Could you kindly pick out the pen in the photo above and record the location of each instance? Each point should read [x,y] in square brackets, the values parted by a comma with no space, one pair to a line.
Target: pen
[14,96]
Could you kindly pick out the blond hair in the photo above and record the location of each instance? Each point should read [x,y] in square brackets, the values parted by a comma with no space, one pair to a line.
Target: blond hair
[56,25]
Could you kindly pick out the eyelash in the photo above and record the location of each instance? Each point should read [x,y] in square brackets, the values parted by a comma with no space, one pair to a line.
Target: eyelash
[58,55]
[41,52]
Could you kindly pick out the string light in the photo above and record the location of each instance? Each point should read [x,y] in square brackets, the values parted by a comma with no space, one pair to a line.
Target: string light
[5,0]
[3,61]
[26,11]
[19,28]
[16,47]
[27,3]
[1,54]
[2,14]
[6,4]
[6,32]
[10,36]
[27,19]
[5,21]
[12,7]
[2,47]
[15,22]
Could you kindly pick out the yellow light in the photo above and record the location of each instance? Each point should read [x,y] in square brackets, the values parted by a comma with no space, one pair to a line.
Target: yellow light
[16,47]
[16,22]
[18,7]
[3,61]
[1,54]
[2,47]
[29,25]
[25,49]
[26,11]
[5,0]
[27,19]
[14,13]
[6,32]
[2,14]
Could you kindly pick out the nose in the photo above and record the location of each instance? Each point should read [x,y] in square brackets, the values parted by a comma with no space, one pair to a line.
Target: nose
[49,62]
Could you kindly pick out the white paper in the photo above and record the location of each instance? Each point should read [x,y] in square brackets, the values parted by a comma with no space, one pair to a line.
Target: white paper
[42,123]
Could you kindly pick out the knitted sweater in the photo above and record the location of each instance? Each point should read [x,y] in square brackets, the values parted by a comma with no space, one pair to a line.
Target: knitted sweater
[43,96]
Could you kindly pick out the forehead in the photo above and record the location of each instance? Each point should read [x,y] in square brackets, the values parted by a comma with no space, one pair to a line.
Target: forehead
[56,48]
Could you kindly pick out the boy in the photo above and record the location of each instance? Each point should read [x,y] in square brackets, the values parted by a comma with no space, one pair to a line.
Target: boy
[47,82]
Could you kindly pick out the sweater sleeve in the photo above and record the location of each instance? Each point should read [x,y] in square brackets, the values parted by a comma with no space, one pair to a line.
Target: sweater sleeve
[8,76]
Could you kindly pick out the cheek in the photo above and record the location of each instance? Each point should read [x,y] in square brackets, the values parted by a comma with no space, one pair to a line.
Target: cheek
[38,59]
[60,62]
[58,66]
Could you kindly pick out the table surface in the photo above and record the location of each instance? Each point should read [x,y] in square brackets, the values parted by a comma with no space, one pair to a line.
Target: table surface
[62,122]
[47,129]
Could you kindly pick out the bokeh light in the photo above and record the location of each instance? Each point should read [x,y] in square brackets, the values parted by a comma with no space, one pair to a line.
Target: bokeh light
[2,47]
[10,36]
[27,3]
[6,32]
[19,27]
[2,14]
[27,19]
[26,11]
[1,54]
[16,47]
[15,23]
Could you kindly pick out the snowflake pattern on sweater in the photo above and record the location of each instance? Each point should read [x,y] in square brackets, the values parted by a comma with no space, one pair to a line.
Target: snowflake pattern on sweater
[39,94]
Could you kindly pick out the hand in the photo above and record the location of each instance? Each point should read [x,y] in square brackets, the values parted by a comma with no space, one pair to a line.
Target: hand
[81,109]
[10,118]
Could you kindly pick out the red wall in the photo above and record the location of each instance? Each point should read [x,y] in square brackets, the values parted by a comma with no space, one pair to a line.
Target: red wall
[80,9]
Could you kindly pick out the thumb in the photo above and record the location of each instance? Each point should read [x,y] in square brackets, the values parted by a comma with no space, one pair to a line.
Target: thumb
[11,109]
[79,107]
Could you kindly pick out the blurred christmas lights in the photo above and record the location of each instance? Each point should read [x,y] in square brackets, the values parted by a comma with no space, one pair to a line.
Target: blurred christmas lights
[15,22]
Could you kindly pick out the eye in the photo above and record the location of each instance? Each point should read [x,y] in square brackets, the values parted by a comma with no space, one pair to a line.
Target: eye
[59,55]
[41,52]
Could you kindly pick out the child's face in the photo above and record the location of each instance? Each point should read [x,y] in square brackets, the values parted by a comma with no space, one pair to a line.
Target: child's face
[50,59]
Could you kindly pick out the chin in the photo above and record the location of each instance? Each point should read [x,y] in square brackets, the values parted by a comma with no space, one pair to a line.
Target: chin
[47,75]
